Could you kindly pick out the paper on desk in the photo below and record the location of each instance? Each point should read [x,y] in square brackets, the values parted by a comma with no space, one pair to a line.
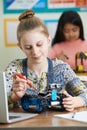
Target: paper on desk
[79,116]
[83,78]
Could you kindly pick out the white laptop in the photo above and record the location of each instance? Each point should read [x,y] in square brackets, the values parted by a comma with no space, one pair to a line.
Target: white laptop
[5,115]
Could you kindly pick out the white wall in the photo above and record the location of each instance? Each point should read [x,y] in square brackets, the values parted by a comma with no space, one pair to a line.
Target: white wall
[8,54]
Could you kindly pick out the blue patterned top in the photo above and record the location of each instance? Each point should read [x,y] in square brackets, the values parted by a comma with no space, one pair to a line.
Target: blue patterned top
[62,74]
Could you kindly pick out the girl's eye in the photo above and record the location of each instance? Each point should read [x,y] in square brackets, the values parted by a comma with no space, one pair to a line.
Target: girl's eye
[28,48]
[39,44]
[75,29]
[66,31]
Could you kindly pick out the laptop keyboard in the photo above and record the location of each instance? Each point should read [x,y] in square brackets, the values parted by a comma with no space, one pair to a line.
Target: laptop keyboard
[13,117]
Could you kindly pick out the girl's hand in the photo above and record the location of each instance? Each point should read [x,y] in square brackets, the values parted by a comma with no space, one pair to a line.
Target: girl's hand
[28,81]
[70,103]
[62,56]
[19,87]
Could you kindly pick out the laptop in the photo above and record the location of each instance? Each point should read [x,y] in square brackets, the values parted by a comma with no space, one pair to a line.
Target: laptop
[5,115]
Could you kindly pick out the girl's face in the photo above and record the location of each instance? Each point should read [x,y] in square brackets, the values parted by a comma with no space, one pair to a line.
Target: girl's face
[35,45]
[71,32]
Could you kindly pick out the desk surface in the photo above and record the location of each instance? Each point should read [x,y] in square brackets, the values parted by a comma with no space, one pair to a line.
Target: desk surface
[45,119]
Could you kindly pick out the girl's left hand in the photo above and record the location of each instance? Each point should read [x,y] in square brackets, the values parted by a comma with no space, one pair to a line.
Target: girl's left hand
[68,102]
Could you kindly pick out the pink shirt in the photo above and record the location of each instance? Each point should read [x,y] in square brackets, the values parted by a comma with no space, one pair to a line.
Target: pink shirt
[70,49]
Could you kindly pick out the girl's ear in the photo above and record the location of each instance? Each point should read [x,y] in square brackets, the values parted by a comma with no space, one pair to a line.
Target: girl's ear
[49,39]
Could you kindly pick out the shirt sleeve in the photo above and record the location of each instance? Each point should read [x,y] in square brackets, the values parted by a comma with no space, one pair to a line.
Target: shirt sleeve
[13,67]
[74,86]
[64,75]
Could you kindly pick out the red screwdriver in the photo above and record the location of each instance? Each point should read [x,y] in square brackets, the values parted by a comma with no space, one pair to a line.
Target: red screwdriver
[28,82]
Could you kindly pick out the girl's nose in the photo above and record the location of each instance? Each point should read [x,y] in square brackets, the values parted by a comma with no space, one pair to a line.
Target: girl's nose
[71,33]
[34,50]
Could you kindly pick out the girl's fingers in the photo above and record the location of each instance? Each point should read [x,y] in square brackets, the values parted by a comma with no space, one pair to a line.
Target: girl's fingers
[14,76]
[65,93]
[21,88]
[69,109]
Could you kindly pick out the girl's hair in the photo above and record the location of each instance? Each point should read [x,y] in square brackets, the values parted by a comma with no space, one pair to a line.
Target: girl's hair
[28,22]
[71,17]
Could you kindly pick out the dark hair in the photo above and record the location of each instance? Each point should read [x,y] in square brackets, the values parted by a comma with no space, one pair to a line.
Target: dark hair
[67,17]
[28,22]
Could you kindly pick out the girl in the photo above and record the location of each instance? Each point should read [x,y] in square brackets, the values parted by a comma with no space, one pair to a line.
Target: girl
[34,39]
[69,39]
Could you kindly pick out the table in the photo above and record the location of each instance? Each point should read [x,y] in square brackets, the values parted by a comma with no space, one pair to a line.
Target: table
[45,119]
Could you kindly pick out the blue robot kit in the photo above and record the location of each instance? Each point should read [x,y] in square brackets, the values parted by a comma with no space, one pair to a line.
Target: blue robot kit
[38,102]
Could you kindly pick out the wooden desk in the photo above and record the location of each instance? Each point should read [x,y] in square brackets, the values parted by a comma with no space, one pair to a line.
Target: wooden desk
[45,119]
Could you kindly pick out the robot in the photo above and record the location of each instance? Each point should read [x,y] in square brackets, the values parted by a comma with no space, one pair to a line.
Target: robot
[38,102]
[81,56]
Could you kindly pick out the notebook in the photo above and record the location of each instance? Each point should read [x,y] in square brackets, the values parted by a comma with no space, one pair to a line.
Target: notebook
[76,116]
[5,115]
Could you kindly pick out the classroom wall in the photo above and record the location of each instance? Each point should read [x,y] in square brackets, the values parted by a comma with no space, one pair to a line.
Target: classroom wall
[7,54]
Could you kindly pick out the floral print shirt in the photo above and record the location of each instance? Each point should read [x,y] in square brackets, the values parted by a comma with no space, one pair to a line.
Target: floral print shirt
[62,74]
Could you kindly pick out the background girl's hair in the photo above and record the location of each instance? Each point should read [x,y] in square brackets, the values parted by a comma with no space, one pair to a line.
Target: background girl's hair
[71,17]
[28,22]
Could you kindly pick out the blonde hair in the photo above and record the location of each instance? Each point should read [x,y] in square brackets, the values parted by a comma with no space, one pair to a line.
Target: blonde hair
[28,22]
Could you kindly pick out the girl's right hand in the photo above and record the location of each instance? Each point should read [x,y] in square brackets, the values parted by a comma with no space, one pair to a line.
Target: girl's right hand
[62,56]
[18,87]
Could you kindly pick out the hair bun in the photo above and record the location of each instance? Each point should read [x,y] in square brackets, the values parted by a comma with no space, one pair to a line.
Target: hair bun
[26,14]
